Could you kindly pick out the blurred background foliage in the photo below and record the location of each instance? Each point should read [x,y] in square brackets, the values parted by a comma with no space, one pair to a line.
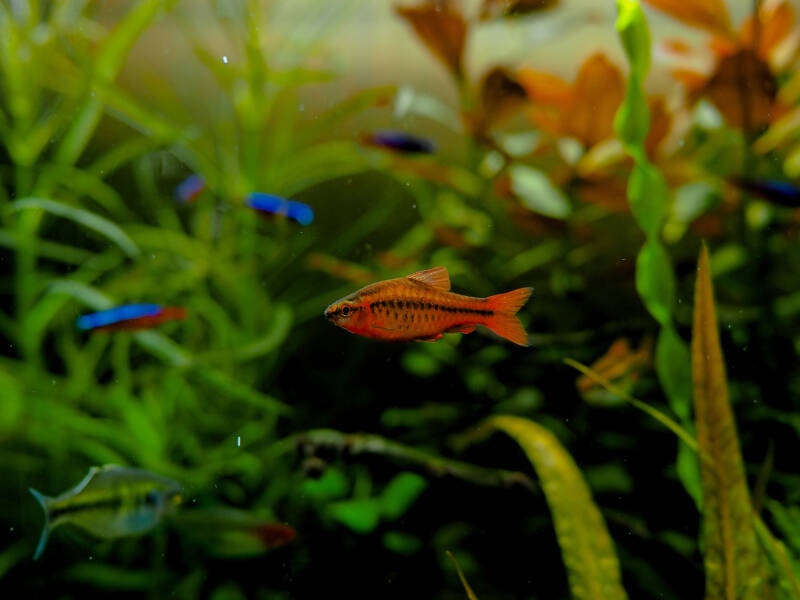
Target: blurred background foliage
[593,181]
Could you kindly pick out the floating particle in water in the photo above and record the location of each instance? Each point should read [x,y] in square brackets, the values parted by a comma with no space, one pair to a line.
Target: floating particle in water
[238,441]
[225,59]
[302,213]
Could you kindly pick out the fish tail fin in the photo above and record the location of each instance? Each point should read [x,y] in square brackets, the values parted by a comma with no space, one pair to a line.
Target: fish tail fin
[44,501]
[504,322]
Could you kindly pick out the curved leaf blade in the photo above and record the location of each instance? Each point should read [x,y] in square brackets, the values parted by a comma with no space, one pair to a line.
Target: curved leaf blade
[586,546]
[82,217]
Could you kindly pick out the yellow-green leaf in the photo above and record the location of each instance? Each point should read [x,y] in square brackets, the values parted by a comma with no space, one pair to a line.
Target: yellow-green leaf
[733,561]
[586,547]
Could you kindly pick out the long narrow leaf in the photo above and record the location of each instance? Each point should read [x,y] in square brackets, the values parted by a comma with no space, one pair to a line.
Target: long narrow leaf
[586,547]
[734,568]
[83,217]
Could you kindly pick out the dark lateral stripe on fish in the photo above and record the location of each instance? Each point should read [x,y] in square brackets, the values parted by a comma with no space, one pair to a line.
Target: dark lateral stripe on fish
[414,305]
[110,503]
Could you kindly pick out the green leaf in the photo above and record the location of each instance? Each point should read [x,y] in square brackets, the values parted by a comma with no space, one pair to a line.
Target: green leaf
[655,281]
[635,35]
[647,196]
[359,514]
[633,117]
[83,217]
[674,368]
[734,564]
[420,363]
[401,543]
[537,192]
[586,547]
[332,484]
[400,494]
[687,466]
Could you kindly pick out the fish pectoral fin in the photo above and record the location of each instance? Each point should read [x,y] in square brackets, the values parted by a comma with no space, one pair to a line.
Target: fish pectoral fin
[436,277]
[461,329]
[433,338]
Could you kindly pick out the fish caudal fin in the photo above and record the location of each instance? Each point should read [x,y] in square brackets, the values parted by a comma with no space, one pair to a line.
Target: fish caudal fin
[504,322]
[44,501]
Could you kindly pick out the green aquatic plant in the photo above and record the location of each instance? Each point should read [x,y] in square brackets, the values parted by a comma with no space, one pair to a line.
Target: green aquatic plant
[648,196]
[586,547]
[734,567]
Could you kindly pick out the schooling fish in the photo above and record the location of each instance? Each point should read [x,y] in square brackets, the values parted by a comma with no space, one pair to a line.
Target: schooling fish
[190,188]
[302,213]
[399,141]
[778,192]
[110,502]
[230,533]
[421,307]
[130,317]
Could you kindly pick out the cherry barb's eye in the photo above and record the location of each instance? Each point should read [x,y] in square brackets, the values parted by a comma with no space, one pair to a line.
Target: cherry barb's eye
[345,311]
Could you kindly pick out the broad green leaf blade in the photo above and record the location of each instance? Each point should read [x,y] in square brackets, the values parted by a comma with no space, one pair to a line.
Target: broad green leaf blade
[648,195]
[400,494]
[586,547]
[655,281]
[537,192]
[359,514]
[734,568]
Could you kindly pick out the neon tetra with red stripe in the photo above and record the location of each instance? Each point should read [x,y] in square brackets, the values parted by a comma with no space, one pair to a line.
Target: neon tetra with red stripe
[422,307]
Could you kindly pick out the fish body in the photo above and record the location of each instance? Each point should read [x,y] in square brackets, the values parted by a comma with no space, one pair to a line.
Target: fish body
[230,533]
[190,188]
[421,307]
[130,317]
[297,211]
[783,193]
[399,141]
[110,502]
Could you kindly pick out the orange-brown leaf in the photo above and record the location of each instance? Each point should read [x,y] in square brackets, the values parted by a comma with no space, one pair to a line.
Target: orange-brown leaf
[660,125]
[692,80]
[776,21]
[441,29]
[619,361]
[544,88]
[606,191]
[711,15]
[732,555]
[501,96]
[743,90]
[493,9]
[597,94]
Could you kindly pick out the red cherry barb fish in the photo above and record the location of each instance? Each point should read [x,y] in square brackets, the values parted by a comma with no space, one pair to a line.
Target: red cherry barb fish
[421,307]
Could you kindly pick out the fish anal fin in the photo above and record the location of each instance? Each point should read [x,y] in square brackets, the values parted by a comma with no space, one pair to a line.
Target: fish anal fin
[433,338]
[461,329]
[436,277]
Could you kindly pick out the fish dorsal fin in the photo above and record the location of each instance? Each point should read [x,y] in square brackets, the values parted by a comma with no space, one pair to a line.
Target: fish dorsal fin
[436,277]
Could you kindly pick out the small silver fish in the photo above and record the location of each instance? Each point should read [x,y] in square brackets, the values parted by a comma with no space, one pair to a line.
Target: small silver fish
[110,502]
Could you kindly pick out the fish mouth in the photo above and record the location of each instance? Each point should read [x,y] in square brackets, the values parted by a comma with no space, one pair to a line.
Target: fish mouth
[329,313]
